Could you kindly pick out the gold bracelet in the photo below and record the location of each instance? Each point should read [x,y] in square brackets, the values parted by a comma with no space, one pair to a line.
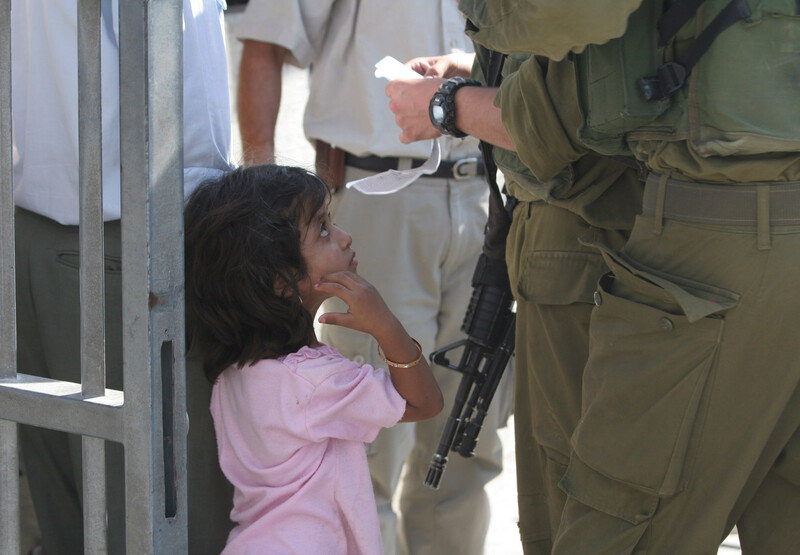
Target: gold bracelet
[399,364]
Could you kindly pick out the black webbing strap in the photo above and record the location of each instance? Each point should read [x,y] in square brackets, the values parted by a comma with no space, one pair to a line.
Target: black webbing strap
[492,75]
[494,67]
[736,10]
[674,18]
[499,214]
[671,76]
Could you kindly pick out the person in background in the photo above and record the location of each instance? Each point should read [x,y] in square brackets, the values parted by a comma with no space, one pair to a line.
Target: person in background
[419,246]
[45,112]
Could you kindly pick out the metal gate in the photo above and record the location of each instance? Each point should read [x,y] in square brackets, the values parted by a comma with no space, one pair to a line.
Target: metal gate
[148,417]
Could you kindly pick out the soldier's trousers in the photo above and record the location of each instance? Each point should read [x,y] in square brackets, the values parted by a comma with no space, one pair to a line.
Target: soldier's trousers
[691,399]
[553,278]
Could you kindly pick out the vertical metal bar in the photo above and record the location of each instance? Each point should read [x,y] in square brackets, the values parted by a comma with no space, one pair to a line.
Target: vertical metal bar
[139,509]
[165,22]
[9,463]
[92,290]
[90,173]
[8,325]
[135,316]
[9,489]
[94,495]
[167,279]
[152,240]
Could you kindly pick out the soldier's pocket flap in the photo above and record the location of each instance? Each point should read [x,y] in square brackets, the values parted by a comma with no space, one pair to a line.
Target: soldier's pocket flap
[560,277]
[696,300]
[606,495]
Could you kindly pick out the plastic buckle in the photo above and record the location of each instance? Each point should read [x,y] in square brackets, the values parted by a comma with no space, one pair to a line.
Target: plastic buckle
[669,78]
[672,76]
[466,168]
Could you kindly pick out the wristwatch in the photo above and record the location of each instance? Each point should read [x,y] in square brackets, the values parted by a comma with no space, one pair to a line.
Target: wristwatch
[442,108]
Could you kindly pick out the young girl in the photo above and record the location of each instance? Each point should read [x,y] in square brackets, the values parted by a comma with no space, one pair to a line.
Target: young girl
[291,414]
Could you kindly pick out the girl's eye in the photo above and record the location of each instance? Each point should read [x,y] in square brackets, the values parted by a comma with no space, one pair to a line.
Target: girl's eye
[323,230]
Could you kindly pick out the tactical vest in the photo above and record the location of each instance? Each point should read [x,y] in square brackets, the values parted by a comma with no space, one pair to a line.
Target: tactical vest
[741,95]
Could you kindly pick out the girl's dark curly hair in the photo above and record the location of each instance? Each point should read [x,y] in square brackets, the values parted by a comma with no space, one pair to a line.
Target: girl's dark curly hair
[243,264]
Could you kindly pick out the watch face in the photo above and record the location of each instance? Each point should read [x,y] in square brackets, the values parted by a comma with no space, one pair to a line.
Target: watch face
[437,113]
[442,106]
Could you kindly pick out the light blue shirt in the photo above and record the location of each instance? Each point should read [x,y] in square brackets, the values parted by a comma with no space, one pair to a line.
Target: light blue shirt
[45,103]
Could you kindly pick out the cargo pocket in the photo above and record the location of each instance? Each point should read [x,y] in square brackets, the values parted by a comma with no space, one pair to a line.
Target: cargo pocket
[654,339]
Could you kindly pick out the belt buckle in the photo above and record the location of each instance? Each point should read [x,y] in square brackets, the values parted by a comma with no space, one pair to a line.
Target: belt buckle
[465,168]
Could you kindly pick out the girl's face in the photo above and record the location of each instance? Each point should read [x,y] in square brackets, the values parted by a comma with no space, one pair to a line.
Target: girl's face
[326,249]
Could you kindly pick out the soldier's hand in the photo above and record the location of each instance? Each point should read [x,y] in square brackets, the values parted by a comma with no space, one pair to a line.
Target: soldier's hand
[409,100]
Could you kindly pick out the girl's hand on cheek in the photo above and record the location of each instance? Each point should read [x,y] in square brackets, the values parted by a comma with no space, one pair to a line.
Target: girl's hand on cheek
[368,313]
[367,310]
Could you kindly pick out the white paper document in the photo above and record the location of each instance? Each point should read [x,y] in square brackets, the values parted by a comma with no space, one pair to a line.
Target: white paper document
[390,69]
[392,181]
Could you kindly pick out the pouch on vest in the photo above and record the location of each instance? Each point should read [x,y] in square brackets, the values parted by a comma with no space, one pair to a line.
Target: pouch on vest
[740,99]
[607,75]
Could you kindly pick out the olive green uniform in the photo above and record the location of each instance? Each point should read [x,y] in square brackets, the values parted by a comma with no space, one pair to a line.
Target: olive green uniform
[553,277]
[691,395]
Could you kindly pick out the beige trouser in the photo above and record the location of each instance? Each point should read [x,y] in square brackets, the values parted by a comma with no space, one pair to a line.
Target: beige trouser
[419,247]
[691,400]
[553,278]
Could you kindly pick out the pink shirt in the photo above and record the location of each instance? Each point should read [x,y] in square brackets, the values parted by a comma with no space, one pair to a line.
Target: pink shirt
[291,436]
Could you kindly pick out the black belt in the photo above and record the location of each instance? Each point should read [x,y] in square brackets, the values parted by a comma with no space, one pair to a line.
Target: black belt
[464,168]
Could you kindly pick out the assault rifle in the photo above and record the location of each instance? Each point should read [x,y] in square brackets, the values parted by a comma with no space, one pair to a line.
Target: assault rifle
[489,324]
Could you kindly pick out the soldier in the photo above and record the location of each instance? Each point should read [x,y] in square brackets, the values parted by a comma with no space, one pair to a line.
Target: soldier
[565,196]
[691,398]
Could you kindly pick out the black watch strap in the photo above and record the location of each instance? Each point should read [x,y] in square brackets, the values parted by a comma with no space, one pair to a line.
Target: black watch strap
[442,107]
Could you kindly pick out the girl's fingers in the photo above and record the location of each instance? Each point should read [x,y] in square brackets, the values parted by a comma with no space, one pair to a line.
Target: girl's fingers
[336,284]
[363,300]
[346,279]
[344,285]
[330,287]
[337,319]
[335,290]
